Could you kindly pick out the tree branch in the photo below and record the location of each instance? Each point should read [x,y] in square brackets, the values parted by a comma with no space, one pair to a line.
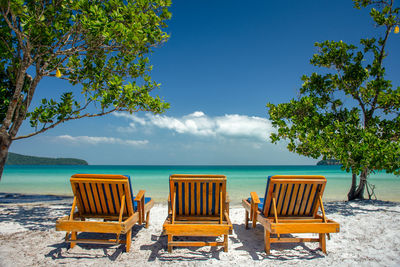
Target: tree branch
[69,119]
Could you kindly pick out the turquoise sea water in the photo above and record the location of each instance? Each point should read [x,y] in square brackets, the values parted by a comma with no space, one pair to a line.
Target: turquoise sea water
[154,179]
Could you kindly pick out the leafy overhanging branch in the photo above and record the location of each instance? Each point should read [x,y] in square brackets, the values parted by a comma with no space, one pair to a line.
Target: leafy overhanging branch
[88,44]
[363,134]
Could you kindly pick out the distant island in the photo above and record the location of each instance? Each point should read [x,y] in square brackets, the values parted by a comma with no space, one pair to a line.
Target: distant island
[329,162]
[18,159]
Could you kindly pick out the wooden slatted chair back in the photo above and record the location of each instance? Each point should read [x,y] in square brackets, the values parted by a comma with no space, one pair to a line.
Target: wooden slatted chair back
[295,195]
[195,195]
[99,194]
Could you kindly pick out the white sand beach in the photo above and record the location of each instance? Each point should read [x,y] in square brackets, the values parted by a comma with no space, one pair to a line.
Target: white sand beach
[369,236]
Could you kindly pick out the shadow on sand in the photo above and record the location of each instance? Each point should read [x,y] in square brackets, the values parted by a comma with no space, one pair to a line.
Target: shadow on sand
[159,250]
[346,208]
[42,217]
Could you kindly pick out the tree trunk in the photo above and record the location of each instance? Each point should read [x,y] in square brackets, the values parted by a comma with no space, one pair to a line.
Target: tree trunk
[357,192]
[350,195]
[5,143]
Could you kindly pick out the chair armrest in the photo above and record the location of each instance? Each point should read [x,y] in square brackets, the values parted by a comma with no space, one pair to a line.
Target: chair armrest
[254,198]
[140,195]
[227,202]
[140,201]
[226,215]
[254,207]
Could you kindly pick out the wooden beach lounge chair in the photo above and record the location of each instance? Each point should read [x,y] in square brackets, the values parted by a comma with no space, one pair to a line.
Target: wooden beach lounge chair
[291,205]
[197,206]
[105,204]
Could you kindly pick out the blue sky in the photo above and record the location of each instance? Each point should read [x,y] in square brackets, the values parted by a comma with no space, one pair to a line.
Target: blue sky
[224,62]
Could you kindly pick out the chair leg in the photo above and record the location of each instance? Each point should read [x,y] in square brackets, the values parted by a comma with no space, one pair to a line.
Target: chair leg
[322,243]
[246,220]
[147,219]
[170,237]
[225,243]
[73,237]
[254,219]
[267,241]
[128,240]
[139,208]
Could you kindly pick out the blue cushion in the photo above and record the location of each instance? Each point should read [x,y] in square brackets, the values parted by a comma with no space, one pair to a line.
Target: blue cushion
[130,186]
[260,205]
[266,192]
[135,205]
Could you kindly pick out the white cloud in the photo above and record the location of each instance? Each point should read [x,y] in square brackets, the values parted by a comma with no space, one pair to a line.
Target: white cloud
[94,140]
[199,124]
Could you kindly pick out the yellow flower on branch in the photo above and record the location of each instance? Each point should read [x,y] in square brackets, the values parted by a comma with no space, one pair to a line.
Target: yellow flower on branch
[396,29]
[58,73]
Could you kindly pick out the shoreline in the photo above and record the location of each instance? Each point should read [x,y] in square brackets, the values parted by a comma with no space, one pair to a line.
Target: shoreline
[20,198]
[23,198]
[369,236]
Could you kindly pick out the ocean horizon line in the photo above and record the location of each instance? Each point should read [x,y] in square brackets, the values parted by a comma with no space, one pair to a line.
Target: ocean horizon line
[183,165]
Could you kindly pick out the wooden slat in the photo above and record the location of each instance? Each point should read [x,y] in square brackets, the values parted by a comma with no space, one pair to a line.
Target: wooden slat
[280,198]
[97,241]
[198,197]
[125,192]
[180,198]
[224,198]
[173,204]
[121,212]
[194,243]
[288,198]
[197,229]
[322,207]
[129,200]
[295,191]
[274,206]
[90,197]
[298,201]
[192,199]
[268,199]
[313,199]
[186,185]
[210,196]
[204,198]
[109,198]
[89,226]
[102,199]
[100,216]
[84,198]
[77,193]
[116,198]
[304,202]
[220,206]
[195,219]
[193,177]
[97,198]
[298,220]
[217,197]
[175,197]
[288,228]
[99,176]
[293,240]
[90,180]
[316,206]
[171,195]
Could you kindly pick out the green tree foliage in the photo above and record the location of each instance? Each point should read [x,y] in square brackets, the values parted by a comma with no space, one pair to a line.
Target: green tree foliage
[101,46]
[350,112]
